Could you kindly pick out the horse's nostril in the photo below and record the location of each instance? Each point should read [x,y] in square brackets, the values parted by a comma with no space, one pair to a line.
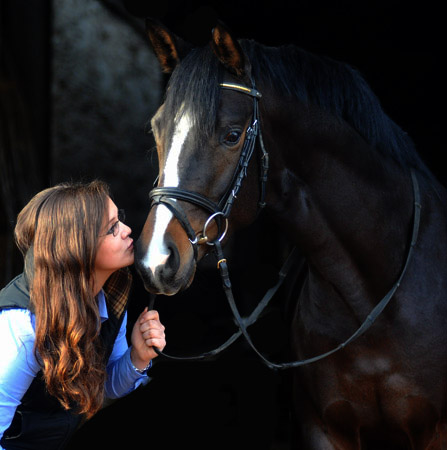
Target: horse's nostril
[173,259]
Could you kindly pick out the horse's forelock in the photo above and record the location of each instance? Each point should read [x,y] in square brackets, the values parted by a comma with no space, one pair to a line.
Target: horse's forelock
[194,86]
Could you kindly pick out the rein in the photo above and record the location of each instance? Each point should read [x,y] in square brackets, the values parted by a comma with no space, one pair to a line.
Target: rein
[370,319]
[167,197]
[247,321]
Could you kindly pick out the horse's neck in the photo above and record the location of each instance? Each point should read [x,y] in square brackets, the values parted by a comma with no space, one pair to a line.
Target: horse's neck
[350,215]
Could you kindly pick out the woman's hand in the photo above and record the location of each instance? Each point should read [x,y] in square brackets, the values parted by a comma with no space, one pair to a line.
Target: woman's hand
[148,332]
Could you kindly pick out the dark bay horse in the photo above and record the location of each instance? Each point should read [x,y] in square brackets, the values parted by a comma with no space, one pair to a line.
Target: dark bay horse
[344,185]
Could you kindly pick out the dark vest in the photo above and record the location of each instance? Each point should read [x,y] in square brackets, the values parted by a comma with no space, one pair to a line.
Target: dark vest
[40,422]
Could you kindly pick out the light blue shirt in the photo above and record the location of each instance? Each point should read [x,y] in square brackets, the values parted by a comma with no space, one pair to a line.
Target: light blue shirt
[18,365]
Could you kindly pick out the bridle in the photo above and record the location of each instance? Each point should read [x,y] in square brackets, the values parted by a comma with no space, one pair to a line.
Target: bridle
[221,210]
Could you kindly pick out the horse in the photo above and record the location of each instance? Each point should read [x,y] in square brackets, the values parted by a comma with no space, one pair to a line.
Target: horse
[346,186]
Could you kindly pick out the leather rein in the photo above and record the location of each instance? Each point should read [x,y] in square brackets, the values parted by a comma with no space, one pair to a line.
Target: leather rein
[167,196]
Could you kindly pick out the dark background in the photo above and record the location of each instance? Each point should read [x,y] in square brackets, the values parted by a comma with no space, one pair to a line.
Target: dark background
[396,46]
[233,402]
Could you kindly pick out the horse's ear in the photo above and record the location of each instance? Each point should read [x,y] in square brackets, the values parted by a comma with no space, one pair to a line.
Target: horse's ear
[168,47]
[228,50]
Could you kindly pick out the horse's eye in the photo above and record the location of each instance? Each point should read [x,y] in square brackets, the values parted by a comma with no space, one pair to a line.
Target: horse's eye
[232,137]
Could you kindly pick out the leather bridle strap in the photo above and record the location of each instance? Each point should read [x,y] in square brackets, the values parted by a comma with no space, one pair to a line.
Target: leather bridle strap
[365,325]
[162,195]
[245,90]
[253,131]
[166,196]
[181,194]
[180,215]
[250,320]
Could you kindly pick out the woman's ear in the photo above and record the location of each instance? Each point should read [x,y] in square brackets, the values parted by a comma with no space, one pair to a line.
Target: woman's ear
[168,47]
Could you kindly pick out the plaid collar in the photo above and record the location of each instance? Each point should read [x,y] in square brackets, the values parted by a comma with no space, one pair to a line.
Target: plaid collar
[116,290]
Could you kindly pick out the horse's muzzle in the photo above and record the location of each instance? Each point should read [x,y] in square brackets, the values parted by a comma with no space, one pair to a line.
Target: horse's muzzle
[168,277]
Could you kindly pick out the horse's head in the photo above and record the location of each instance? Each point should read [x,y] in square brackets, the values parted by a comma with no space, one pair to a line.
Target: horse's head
[206,122]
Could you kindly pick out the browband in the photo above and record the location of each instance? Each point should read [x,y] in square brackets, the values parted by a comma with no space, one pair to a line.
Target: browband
[239,88]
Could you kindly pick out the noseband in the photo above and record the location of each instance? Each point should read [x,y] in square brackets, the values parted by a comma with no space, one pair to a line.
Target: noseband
[220,211]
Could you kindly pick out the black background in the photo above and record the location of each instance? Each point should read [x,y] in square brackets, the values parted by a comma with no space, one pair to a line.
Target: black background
[235,402]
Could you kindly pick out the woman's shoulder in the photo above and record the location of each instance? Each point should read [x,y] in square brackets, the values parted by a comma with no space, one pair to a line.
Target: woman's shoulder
[15,294]
[18,363]
[17,326]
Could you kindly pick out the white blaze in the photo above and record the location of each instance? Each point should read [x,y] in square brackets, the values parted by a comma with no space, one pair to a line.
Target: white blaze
[157,253]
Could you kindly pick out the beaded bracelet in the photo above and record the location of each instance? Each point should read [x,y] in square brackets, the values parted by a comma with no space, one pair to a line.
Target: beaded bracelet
[142,371]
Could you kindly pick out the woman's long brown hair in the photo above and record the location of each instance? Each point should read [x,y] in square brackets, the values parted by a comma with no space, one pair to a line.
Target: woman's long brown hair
[60,227]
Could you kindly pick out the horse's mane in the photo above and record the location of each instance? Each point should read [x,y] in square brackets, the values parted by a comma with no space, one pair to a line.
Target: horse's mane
[334,86]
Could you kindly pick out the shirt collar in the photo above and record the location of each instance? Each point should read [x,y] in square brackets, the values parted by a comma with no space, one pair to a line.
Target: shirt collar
[102,307]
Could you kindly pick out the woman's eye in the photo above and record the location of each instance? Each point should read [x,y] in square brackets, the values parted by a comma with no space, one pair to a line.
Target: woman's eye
[114,229]
[232,137]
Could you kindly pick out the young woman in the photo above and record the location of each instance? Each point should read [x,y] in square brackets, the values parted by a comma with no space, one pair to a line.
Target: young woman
[63,346]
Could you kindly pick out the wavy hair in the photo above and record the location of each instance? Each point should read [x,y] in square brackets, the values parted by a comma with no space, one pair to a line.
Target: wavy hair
[59,227]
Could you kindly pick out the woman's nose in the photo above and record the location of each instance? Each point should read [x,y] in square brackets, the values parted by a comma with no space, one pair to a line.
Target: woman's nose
[126,231]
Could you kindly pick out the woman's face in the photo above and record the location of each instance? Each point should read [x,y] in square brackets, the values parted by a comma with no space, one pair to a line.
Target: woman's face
[115,248]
